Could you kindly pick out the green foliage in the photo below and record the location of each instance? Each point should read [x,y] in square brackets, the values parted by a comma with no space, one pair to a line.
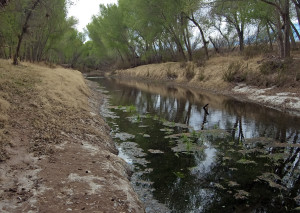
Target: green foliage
[136,32]
[131,108]
[49,36]
[179,174]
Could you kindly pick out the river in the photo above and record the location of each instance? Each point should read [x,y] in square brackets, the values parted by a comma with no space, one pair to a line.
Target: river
[232,157]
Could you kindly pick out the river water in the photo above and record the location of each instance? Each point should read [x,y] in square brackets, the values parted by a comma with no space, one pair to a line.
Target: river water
[238,157]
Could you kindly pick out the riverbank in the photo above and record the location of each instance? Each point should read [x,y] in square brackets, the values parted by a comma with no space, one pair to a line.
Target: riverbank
[56,154]
[246,80]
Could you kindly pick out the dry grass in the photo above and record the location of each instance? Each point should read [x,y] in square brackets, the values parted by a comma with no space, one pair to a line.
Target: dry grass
[209,76]
[48,101]
[217,73]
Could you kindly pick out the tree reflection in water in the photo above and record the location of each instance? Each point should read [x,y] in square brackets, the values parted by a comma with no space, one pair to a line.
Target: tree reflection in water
[260,156]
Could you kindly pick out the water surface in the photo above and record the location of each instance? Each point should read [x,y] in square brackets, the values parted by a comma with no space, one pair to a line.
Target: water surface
[241,157]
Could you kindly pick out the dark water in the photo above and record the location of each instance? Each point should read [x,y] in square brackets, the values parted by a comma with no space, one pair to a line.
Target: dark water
[242,157]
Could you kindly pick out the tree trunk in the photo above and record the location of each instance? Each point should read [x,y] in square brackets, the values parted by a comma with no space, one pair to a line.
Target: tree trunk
[205,43]
[295,30]
[24,31]
[293,42]
[279,36]
[257,34]
[188,44]
[269,36]
[287,28]
[215,46]
[241,37]
[298,13]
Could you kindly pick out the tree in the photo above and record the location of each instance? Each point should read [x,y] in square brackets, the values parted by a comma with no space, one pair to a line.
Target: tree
[283,8]
[190,8]
[3,3]
[237,14]
[24,29]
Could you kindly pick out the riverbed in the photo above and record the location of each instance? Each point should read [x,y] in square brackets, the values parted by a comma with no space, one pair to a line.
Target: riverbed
[230,156]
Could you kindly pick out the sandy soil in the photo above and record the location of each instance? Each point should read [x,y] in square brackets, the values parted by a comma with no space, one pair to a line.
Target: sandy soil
[210,77]
[56,152]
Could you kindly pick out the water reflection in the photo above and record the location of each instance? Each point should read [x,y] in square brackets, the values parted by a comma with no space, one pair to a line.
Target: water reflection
[254,168]
[185,106]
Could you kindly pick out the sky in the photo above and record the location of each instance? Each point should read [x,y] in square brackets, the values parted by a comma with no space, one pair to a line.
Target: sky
[83,10]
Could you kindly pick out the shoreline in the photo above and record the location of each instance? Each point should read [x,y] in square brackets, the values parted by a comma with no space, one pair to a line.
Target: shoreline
[281,99]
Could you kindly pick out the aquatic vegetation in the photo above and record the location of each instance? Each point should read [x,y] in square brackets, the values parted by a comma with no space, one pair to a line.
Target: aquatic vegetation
[226,158]
[123,136]
[275,157]
[153,151]
[241,195]
[219,186]
[179,174]
[131,108]
[146,136]
[187,147]
[233,184]
[228,170]
[194,134]
[245,161]
[166,130]
[272,180]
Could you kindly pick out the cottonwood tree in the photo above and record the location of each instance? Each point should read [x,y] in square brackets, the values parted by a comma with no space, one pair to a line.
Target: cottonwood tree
[109,31]
[283,9]
[29,11]
[190,9]
[237,14]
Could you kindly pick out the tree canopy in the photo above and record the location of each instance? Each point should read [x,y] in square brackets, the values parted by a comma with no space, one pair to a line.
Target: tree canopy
[135,32]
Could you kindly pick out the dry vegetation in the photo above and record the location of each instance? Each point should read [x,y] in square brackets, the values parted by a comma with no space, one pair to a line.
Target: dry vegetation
[254,67]
[42,97]
[208,75]
[55,148]
[254,70]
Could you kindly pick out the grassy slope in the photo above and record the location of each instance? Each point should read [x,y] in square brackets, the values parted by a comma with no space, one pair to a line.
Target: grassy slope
[215,75]
[44,95]
[50,131]
[209,76]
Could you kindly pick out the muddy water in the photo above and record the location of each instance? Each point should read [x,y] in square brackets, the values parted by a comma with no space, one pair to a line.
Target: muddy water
[240,157]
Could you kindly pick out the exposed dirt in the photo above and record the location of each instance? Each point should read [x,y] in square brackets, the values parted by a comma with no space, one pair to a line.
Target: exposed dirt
[56,152]
[284,96]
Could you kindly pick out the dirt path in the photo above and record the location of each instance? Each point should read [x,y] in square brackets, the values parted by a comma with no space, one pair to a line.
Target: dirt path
[59,155]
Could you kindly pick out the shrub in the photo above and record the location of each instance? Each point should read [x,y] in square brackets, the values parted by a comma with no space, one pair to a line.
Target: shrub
[200,62]
[190,71]
[170,73]
[183,64]
[236,72]
[201,76]
[252,51]
[275,66]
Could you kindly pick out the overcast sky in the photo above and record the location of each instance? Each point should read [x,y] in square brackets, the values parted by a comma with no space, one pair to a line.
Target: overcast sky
[83,10]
